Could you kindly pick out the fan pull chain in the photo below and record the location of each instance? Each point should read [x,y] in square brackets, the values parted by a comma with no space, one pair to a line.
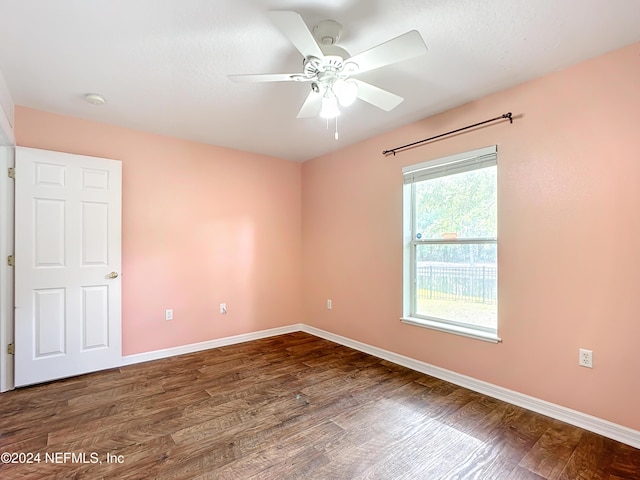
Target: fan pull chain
[335,135]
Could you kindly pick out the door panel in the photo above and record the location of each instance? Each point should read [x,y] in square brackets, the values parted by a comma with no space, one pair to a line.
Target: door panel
[48,234]
[95,317]
[68,242]
[50,322]
[95,233]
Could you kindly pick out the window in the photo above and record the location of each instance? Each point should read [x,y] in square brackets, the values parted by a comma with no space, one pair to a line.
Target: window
[451,248]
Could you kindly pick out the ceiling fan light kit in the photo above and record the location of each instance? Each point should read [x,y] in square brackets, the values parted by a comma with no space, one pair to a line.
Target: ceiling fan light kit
[329,107]
[346,91]
[329,68]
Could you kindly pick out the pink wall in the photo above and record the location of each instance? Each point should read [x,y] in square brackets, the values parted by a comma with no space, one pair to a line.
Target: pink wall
[569,238]
[201,225]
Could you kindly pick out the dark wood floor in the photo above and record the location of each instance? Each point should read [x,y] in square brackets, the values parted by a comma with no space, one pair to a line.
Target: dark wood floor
[292,406]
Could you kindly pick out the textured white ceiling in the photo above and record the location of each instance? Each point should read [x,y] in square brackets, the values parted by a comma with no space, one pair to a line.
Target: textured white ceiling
[162,64]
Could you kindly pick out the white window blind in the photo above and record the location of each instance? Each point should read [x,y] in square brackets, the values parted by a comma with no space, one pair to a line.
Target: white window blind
[483,157]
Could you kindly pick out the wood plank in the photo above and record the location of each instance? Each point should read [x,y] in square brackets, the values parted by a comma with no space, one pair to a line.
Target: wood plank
[552,451]
[588,461]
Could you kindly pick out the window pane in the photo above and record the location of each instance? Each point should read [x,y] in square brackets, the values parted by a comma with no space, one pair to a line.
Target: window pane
[457,206]
[457,282]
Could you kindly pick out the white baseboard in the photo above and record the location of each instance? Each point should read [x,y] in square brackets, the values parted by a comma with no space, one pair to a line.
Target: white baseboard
[198,347]
[573,417]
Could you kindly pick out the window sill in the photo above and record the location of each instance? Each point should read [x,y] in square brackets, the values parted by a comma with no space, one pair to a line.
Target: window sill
[455,329]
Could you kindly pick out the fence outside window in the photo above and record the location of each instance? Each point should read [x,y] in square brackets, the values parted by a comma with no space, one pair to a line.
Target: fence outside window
[475,283]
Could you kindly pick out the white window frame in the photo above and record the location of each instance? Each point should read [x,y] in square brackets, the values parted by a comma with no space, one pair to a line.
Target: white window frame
[412,174]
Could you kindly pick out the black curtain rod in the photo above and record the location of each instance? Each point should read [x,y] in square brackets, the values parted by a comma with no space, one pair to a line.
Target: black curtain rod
[394,150]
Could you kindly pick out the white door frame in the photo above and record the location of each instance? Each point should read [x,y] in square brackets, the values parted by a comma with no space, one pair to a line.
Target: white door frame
[7,142]
[6,272]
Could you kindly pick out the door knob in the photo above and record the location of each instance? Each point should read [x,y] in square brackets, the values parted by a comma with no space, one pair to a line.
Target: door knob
[113,275]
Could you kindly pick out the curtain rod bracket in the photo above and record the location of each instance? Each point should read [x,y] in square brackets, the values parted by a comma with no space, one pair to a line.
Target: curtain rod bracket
[508,115]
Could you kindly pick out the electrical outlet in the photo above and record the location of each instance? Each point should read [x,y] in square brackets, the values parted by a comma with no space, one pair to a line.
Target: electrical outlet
[223,308]
[329,304]
[168,314]
[586,358]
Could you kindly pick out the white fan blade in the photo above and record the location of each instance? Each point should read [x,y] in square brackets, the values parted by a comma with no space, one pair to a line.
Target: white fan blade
[377,97]
[293,27]
[269,77]
[311,105]
[408,45]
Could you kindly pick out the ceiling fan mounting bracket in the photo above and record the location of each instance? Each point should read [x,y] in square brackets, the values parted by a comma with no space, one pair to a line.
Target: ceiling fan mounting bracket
[327,32]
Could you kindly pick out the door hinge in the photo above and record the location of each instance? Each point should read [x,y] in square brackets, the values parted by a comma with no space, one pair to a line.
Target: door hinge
[11,261]
[12,172]
[11,349]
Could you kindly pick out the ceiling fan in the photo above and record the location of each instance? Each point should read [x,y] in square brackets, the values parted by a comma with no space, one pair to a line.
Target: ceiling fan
[330,69]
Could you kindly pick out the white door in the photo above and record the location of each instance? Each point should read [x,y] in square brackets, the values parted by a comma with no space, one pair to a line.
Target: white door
[67,265]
